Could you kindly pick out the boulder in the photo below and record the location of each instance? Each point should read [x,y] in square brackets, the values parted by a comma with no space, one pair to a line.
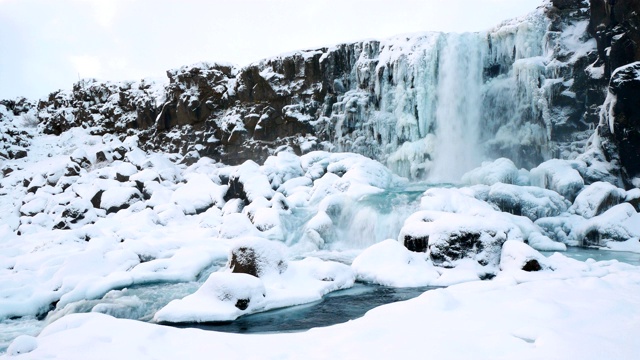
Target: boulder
[560,176]
[453,237]
[517,255]
[257,257]
[482,245]
[597,198]
[528,201]
[119,198]
[81,158]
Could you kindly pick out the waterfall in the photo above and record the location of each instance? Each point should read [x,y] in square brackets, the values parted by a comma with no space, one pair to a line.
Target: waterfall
[458,111]
[434,106]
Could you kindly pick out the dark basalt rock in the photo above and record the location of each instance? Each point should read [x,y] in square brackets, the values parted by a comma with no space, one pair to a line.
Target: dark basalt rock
[242,304]
[247,260]
[236,190]
[416,244]
[101,156]
[625,85]
[482,246]
[532,265]
[96,199]
[72,169]
[243,260]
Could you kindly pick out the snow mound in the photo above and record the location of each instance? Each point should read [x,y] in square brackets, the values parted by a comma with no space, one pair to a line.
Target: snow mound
[499,171]
[390,263]
[223,297]
[560,176]
[597,198]
[528,201]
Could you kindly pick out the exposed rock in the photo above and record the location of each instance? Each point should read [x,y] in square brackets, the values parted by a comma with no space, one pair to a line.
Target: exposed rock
[257,257]
[625,86]
[416,244]
[532,265]
[483,246]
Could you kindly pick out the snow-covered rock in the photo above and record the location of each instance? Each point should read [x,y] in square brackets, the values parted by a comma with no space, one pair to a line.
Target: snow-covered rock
[517,255]
[257,257]
[454,237]
[390,263]
[528,201]
[198,194]
[560,176]
[501,170]
[597,198]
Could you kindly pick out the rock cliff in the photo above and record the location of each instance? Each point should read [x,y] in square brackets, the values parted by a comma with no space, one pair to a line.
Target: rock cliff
[530,89]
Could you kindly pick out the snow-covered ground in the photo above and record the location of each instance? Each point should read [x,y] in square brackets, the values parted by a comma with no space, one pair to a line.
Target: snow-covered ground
[513,316]
[87,220]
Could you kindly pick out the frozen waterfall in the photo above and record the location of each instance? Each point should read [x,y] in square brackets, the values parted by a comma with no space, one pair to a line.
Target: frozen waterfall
[433,106]
[458,111]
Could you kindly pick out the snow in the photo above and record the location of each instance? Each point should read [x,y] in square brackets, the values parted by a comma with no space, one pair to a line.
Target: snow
[198,194]
[519,317]
[560,176]
[80,235]
[227,295]
[390,263]
[597,198]
[499,171]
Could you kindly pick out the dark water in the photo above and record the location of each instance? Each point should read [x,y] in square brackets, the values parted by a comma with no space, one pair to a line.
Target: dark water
[337,307]
[582,254]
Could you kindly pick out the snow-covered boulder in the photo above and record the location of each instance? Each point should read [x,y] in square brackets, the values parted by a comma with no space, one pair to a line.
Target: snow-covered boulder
[560,176]
[124,171]
[501,170]
[517,255]
[597,198]
[257,257]
[80,157]
[282,168]
[529,201]
[77,214]
[198,194]
[391,264]
[223,297]
[541,242]
[23,344]
[118,198]
[453,237]
[620,223]
[247,183]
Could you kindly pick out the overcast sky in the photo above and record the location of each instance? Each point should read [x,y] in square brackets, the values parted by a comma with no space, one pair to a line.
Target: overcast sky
[49,44]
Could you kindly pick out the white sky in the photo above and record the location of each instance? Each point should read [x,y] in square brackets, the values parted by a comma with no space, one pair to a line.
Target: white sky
[46,45]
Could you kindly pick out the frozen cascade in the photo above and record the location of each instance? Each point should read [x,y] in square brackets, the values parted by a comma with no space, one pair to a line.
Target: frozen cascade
[433,106]
[458,112]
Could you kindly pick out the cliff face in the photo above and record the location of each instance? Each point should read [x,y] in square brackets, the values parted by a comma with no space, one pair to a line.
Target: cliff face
[617,31]
[429,104]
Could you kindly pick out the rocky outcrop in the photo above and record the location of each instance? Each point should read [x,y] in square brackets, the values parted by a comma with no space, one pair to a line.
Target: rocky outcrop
[102,107]
[617,31]
[618,134]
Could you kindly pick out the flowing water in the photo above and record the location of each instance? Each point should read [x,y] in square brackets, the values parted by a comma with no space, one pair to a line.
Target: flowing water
[337,307]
